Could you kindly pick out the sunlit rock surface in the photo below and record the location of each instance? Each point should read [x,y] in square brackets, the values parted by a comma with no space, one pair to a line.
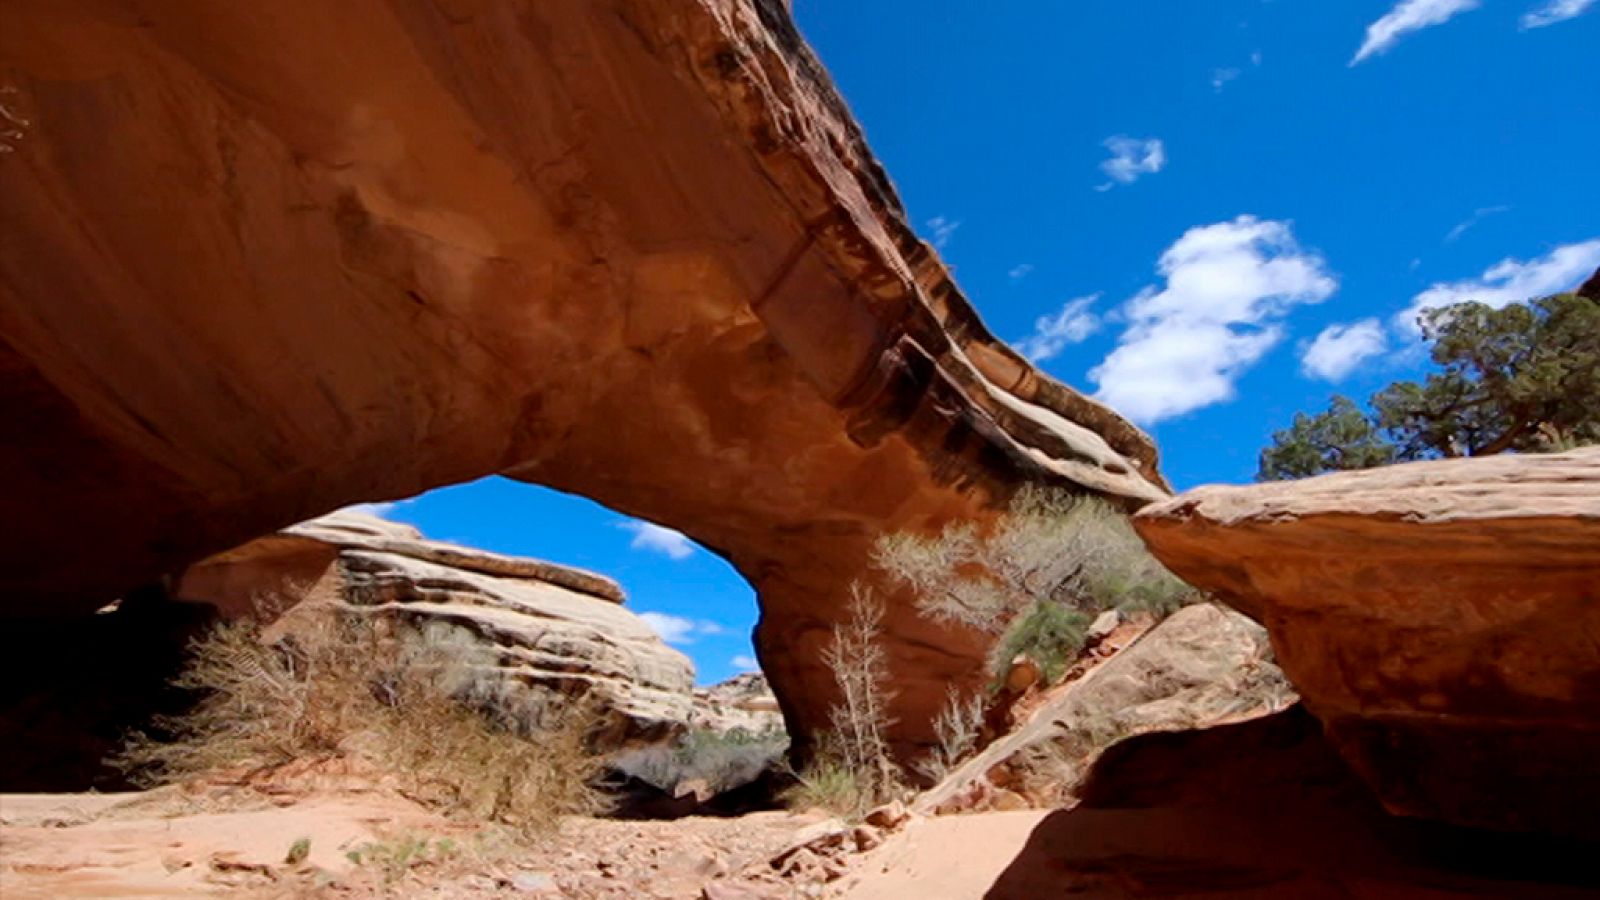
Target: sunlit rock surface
[261,261]
[1441,618]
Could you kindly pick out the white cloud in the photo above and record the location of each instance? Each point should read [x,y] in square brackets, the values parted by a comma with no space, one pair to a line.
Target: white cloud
[1052,334]
[1555,11]
[679,630]
[1509,281]
[1339,349]
[1408,16]
[653,538]
[1130,158]
[745,663]
[1019,271]
[1228,286]
[1478,215]
[942,230]
[1220,77]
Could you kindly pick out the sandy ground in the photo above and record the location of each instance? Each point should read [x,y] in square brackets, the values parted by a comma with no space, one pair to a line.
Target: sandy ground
[175,843]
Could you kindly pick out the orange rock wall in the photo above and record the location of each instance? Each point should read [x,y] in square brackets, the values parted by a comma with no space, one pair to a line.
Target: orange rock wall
[264,260]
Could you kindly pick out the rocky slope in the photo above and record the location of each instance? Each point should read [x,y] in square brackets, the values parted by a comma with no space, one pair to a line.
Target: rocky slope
[1201,666]
[263,261]
[544,625]
[1440,618]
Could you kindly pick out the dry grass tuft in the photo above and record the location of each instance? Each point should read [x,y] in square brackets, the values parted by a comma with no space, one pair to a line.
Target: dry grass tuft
[413,703]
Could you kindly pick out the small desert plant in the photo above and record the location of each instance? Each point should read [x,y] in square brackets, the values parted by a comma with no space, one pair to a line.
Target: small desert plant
[346,684]
[826,782]
[1054,558]
[851,770]
[957,727]
[1050,634]
[721,759]
[298,851]
[397,857]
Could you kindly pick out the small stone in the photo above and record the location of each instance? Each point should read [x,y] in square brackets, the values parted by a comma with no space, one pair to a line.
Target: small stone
[866,837]
[888,816]
[1008,801]
[1102,626]
[535,883]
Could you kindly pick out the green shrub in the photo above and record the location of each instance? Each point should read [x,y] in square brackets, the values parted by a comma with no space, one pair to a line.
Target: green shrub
[1049,633]
[1036,579]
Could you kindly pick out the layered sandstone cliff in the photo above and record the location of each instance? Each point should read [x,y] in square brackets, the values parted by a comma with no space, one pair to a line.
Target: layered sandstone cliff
[1441,618]
[533,624]
[264,260]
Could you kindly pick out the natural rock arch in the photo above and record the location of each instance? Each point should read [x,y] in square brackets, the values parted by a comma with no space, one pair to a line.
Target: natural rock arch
[261,261]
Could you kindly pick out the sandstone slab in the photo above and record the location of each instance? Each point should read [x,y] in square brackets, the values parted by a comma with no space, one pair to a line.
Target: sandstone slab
[1441,618]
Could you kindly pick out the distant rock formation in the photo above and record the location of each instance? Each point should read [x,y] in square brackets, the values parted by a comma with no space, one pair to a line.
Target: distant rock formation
[262,261]
[548,626]
[1440,618]
[743,702]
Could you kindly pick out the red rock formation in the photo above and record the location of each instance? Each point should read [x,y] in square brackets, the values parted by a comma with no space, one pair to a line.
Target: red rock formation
[1441,618]
[264,260]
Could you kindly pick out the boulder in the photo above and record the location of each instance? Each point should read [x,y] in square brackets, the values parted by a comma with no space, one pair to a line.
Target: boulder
[546,626]
[636,250]
[1440,618]
[1201,666]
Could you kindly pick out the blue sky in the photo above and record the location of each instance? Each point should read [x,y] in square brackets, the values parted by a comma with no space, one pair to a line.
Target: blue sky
[1211,215]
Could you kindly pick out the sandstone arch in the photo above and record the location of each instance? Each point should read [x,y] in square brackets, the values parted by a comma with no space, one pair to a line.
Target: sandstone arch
[263,260]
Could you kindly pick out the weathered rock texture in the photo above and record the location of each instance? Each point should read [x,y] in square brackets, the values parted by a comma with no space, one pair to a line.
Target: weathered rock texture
[1441,618]
[261,261]
[743,702]
[1202,666]
[543,625]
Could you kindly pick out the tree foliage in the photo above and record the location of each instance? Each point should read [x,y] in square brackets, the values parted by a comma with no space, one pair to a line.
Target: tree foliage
[1525,378]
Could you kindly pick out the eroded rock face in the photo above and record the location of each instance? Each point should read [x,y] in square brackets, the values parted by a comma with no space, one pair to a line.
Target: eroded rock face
[1439,617]
[743,703]
[1203,665]
[544,625]
[262,261]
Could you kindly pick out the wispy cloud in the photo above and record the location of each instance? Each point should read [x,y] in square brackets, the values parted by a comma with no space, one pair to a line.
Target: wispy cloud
[1478,215]
[1408,16]
[1020,271]
[745,663]
[1070,325]
[1339,349]
[679,630]
[941,230]
[1131,158]
[653,538]
[1555,11]
[1509,281]
[1220,78]
[1228,287]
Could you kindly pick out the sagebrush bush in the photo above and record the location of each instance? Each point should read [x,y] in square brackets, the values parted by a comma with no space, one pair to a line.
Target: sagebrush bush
[1050,634]
[414,703]
[957,727]
[1054,559]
